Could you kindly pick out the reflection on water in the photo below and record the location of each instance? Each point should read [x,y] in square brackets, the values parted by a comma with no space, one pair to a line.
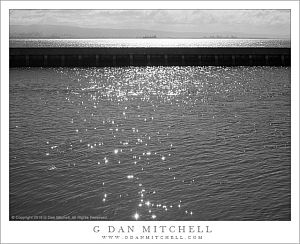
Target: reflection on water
[149,43]
[163,143]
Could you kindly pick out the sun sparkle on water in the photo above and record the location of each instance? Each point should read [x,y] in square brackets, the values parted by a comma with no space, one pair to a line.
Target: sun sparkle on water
[140,151]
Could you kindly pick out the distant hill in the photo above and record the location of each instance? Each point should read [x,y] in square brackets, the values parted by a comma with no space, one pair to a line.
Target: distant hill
[72,32]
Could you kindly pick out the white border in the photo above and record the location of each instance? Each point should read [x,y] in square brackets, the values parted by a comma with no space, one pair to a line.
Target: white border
[82,232]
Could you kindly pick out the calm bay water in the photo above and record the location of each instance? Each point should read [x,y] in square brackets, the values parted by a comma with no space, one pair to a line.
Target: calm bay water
[151,143]
[150,42]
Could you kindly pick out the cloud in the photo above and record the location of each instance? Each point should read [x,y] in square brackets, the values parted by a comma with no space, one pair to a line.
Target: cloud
[257,21]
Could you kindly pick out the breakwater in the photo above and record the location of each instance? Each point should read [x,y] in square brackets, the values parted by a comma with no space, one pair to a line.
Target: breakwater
[152,56]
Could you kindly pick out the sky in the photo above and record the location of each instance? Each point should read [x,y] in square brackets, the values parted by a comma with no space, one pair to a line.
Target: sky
[275,22]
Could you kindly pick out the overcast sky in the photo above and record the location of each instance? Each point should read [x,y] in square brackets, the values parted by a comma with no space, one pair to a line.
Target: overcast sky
[275,22]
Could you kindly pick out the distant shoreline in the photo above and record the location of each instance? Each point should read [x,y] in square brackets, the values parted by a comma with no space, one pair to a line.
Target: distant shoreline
[157,38]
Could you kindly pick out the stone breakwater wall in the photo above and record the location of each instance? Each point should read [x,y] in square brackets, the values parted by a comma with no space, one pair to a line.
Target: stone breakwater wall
[118,57]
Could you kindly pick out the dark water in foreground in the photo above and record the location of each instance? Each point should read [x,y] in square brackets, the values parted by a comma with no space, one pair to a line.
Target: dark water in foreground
[152,143]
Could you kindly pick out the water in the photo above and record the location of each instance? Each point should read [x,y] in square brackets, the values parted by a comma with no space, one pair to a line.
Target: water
[150,43]
[151,143]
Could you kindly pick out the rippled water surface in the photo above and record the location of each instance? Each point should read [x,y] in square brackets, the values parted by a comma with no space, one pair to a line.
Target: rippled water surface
[150,43]
[150,143]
